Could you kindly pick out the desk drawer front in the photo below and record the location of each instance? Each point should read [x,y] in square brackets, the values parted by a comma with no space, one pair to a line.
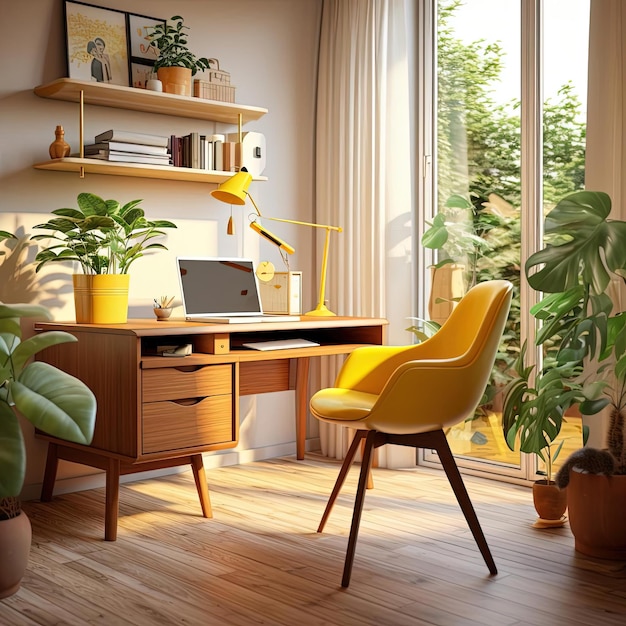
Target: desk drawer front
[172,426]
[174,383]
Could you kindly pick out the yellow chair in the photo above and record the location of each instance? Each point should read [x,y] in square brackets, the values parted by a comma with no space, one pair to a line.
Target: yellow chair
[408,395]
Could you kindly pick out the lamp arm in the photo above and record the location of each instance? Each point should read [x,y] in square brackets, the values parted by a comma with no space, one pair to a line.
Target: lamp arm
[280,219]
[254,205]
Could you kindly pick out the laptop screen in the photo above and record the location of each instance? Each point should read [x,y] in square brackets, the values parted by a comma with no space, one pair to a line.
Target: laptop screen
[218,287]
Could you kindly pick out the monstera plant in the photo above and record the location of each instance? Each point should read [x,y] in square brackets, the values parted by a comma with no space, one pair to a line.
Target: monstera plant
[583,329]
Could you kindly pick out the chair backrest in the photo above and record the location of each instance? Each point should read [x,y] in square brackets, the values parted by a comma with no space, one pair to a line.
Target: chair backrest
[441,381]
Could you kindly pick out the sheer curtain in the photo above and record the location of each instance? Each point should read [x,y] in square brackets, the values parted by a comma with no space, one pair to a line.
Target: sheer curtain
[605,165]
[363,175]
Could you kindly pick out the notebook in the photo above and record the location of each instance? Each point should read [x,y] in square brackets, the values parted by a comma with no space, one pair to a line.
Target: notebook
[222,290]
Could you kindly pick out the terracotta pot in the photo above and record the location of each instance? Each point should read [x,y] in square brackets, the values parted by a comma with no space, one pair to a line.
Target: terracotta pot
[101,298]
[597,514]
[15,540]
[447,284]
[175,80]
[550,501]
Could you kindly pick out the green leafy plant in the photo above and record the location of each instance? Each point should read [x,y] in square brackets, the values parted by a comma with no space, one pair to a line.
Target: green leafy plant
[49,398]
[171,40]
[452,233]
[534,409]
[103,236]
[581,331]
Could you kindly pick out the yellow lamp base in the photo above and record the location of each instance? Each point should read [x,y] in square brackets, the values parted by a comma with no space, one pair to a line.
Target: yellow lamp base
[321,311]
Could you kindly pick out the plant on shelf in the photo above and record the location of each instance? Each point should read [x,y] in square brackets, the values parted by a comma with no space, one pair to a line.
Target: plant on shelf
[171,40]
[585,258]
[52,401]
[105,238]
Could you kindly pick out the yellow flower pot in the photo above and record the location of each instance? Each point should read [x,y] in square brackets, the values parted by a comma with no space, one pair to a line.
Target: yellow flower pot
[101,298]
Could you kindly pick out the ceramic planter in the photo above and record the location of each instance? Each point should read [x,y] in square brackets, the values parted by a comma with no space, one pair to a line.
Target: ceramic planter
[101,298]
[175,80]
[597,514]
[15,540]
[550,501]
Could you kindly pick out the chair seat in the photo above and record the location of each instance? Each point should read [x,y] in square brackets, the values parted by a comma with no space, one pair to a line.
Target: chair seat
[338,405]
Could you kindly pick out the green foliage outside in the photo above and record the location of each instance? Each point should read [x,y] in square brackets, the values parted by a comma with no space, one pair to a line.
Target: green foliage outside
[479,152]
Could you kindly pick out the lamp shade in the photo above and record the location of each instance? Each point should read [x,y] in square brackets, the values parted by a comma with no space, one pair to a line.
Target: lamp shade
[234,190]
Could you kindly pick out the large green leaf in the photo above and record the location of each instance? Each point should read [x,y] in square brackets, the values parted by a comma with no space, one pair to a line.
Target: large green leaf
[595,247]
[37,343]
[12,453]
[55,402]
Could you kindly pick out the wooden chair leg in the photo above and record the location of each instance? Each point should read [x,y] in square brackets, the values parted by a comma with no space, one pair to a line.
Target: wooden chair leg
[456,482]
[366,464]
[343,472]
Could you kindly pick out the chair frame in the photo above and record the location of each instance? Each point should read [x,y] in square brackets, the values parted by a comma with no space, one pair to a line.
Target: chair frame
[436,440]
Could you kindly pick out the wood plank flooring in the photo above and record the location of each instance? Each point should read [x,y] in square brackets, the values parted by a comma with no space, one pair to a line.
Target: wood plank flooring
[260,561]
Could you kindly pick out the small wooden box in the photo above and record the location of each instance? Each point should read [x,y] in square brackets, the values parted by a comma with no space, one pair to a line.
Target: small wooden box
[218,343]
[282,294]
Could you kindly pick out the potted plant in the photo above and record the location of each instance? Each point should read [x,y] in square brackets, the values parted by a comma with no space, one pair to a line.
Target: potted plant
[533,412]
[52,401]
[176,64]
[452,233]
[105,238]
[581,325]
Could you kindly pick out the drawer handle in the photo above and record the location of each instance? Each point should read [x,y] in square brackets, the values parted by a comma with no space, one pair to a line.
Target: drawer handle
[189,401]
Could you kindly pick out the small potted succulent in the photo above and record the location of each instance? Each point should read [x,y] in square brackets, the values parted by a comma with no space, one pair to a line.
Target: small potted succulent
[105,238]
[176,64]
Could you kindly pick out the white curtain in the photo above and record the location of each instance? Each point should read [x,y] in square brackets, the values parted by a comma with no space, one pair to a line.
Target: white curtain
[363,175]
[605,166]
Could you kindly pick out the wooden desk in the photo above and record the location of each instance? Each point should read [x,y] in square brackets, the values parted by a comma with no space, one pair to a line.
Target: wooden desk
[156,412]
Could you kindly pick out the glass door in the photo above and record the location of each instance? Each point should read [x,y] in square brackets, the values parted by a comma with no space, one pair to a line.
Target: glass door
[509,118]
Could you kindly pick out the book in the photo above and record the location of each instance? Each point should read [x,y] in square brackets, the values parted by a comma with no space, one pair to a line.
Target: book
[128,136]
[117,146]
[130,158]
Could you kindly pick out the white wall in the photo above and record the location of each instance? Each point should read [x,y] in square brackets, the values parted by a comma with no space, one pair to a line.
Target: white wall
[270,49]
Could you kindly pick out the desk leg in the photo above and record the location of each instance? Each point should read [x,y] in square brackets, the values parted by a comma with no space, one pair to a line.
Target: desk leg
[203,491]
[302,403]
[112,503]
[50,474]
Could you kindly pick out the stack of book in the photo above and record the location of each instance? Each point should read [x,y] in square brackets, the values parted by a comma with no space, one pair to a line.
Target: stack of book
[130,147]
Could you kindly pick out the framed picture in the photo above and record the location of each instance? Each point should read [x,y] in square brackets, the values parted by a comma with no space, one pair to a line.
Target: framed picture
[97,43]
[142,54]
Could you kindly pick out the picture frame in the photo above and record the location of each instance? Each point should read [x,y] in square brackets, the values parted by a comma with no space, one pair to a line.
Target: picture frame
[142,54]
[96,43]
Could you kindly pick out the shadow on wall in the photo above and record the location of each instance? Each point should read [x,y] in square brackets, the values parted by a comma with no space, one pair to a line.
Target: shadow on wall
[20,284]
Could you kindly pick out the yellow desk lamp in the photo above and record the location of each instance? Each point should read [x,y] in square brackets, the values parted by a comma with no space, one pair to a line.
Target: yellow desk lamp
[235,191]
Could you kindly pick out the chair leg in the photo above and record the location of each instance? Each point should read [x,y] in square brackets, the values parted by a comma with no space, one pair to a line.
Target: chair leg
[366,464]
[343,472]
[456,482]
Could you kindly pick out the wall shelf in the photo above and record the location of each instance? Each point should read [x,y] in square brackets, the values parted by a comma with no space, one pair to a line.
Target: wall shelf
[132,99]
[136,170]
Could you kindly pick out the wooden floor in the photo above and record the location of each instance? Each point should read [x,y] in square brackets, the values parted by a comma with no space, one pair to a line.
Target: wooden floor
[260,561]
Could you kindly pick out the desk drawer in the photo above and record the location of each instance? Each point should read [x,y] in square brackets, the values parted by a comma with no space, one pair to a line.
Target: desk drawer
[176,383]
[173,426]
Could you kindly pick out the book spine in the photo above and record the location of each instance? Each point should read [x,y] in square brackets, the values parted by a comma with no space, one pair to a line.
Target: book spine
[218,152]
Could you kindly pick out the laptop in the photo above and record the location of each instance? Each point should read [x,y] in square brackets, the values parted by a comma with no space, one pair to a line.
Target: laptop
[221,290]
